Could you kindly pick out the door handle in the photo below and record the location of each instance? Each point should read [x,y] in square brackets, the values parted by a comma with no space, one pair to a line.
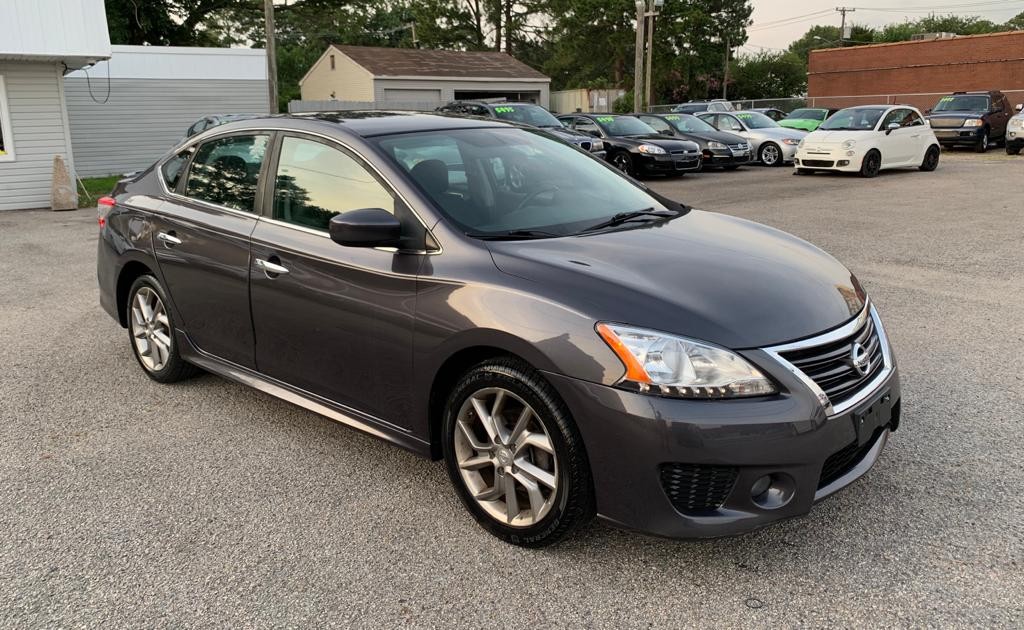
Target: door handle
[270,268]
[169,238]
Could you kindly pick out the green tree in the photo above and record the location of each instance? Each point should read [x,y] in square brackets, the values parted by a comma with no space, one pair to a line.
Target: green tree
[176,22]
[768,75]
[961,25]
[826,36]
[1015,24]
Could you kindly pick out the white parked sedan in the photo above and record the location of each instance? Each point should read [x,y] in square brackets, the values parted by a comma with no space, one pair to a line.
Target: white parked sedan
[868,139]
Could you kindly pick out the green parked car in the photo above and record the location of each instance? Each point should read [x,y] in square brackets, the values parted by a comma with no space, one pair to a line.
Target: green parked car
[807,118]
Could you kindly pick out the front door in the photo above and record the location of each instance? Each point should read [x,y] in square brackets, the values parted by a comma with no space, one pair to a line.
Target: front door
[333,321]
[201,241]
[898,146]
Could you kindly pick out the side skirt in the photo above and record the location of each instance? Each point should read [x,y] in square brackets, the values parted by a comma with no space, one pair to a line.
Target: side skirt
[339,413]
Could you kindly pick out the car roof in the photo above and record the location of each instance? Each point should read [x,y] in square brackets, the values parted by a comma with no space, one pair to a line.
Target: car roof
[369,123]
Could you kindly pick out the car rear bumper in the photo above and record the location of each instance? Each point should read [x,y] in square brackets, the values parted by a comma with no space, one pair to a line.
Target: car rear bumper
[686,469]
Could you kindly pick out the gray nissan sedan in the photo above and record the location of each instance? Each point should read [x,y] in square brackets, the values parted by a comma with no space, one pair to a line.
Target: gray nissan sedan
[569,341]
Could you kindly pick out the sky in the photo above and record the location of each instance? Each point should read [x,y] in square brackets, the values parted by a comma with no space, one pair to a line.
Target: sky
[773,28]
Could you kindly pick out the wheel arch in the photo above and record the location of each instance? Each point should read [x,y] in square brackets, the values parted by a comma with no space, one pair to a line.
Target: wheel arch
[129,273]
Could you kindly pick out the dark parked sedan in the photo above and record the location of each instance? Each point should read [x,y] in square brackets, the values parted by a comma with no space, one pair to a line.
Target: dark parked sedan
[717,148]
[634,147]
[567,340]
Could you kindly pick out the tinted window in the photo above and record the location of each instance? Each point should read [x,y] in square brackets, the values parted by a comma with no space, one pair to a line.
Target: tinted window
[624,126]
[688,124]
[755,120]
[963,103]
[315,181]
[174,167]
[657,124]
[529,114]
[226,171]
[517,180]
[588,126]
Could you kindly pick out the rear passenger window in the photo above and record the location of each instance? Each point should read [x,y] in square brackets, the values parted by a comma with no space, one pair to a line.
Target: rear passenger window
[316,182]
[226,171]
[659,125]
[174,167]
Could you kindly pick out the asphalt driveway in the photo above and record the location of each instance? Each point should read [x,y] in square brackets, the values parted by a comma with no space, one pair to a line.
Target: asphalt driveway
[124,503]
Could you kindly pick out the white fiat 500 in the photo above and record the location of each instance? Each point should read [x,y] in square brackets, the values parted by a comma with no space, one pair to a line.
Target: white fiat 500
[867,139]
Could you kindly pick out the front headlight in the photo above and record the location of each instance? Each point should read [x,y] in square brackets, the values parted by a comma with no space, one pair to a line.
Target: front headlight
[651,149]
[849,144]
[973,122]
[716,145]
[659,363]
[1016,123]
[791,141]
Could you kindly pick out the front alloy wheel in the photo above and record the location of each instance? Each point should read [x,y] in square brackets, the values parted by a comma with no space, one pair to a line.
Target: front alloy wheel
[515,456]
[872,164]
[623,162]
[771,154]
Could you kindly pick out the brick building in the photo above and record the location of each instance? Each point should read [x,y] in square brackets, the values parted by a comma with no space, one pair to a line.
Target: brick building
[917,73]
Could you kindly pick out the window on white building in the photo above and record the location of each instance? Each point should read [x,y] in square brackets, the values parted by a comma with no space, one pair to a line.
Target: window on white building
[6,140]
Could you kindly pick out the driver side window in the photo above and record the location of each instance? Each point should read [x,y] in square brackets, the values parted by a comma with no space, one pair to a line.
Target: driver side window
[588,127]
[659,125]
[895,116]
[728,123]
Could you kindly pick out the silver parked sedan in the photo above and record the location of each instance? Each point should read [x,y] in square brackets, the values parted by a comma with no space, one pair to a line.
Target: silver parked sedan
[771,144]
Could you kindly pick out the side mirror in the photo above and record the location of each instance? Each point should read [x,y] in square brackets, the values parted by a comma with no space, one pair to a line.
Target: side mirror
[891,127]
[666,132]
[368,227]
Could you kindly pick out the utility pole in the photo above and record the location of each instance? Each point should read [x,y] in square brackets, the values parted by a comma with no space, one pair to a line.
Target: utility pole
[842,29]
[638,68]
[652,13]
[725,79]
[268,10]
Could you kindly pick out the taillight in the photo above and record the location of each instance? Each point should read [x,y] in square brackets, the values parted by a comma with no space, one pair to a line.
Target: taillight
[103,206]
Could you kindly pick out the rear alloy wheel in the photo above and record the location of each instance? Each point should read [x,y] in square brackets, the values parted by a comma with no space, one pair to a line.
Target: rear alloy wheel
[982,145]
[151,331]
[623,162]
[515,456]
[931,159]
[872,164]
[770,154]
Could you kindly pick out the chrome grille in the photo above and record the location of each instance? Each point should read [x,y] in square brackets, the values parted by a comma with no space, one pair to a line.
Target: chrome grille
[739,147]
[683,152]
[946,123]
[831,366]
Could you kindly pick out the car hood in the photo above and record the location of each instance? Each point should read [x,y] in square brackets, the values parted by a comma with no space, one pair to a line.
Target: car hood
[704,275]
[713,136]
[800,123]
[835,137]
[568,135]
[669,144]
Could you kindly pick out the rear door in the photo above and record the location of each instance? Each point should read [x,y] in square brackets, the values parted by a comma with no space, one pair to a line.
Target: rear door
[333,321]
[201,241]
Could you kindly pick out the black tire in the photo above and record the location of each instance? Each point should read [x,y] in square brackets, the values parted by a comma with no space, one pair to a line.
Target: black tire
[804,171]
[174,368]
[871,164]
[573,503]
[766,151]
[623,161]
[1012,150]
[931,159]
[982,145]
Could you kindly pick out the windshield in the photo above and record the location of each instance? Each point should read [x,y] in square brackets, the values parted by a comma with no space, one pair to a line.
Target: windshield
[964,103]
[491,182]
[854,119]
[756,120]
[624,126]
[528,114]
[807,114]
[689,124]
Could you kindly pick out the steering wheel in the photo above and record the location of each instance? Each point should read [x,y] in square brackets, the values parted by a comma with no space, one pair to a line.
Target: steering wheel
[537,193]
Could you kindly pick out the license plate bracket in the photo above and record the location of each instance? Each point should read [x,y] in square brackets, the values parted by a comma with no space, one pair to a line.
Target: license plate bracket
[867,418]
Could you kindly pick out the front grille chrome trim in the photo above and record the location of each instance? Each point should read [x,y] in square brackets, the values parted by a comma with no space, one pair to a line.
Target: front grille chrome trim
[832,336]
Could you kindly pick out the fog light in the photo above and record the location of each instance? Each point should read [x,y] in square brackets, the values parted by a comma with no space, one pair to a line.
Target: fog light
[773,491]
[797,160]
[844,162]
[849,153]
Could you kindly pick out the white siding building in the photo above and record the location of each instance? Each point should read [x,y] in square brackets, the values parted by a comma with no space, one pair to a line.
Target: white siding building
[40,40]
[126,112]
[411,78]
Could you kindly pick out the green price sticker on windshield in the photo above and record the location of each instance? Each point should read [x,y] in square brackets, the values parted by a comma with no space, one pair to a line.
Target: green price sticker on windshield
[605,119]
[672,117]
[945,99]
[745,116]
[504,109]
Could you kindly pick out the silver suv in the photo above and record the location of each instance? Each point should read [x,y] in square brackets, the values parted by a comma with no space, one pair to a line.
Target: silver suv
[1015,133]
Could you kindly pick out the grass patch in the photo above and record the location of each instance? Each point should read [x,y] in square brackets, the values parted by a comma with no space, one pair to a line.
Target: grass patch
[92,188]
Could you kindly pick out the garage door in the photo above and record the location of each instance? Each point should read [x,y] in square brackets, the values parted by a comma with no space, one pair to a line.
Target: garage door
[412,99]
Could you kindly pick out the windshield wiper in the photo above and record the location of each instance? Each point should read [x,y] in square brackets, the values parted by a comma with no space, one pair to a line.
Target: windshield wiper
[622,217]
[511,235]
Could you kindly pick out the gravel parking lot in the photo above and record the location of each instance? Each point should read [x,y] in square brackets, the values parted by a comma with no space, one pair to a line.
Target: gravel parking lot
[127,503]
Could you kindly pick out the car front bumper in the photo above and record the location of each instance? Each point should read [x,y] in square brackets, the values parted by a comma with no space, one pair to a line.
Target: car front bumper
[643,448]
[829,160]
[725,157]
[668,164]
[959,135]
[1015,138]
